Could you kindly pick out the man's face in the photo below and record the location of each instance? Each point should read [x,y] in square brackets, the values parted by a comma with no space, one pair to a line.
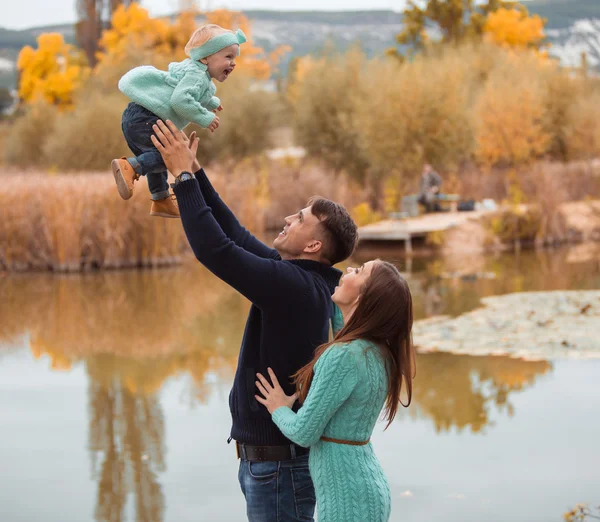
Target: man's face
[426,168]
[298,235]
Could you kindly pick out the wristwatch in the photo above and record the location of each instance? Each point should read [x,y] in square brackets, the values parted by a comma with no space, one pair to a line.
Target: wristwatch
[184,176]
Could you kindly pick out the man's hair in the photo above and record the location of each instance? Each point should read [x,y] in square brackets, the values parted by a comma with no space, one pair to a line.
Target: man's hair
[340,235]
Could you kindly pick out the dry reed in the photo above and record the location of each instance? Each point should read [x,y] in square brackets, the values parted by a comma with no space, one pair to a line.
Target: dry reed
[74,222]
[78,222]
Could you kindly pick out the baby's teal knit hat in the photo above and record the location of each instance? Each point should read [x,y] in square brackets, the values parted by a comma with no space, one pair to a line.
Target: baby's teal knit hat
[215,44]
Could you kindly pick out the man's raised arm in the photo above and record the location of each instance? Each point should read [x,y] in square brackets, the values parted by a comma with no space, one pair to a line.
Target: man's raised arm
[225,217]
[265,282]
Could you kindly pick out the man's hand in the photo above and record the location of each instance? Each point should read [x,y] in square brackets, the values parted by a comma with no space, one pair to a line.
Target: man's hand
[176,153]
[214,125]
[196,166]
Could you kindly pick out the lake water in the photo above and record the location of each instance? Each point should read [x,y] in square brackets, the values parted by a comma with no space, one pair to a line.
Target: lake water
[113,401]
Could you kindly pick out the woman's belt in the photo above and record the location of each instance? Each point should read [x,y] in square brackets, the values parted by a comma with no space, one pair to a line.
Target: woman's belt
[347,442]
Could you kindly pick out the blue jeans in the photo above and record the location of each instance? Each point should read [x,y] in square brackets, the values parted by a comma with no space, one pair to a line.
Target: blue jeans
[278,491]
[137,128]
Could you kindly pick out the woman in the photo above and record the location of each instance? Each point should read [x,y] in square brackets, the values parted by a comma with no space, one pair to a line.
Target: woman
[343,390]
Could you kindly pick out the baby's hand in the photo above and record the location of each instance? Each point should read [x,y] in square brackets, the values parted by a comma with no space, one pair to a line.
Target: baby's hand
[214,125]
[220,108]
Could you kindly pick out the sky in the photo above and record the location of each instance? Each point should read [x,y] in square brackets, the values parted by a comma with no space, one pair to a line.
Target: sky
[31,13]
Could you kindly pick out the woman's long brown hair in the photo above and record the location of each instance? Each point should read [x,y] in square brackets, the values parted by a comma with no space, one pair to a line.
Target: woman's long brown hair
[383,316]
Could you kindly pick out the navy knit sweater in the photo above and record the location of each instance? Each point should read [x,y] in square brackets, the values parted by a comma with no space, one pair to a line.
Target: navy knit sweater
[291,303]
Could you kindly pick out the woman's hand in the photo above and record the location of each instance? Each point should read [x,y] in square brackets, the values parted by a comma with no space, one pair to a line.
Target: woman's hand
[273,395]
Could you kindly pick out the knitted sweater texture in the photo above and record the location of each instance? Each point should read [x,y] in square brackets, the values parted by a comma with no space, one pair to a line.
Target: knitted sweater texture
[344,402]
[184,94]
[291,303]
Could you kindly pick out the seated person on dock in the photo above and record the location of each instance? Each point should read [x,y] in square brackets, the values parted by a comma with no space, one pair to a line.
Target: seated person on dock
[431,182]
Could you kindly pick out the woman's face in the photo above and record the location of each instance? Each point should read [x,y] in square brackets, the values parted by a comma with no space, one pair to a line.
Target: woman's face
[348,291]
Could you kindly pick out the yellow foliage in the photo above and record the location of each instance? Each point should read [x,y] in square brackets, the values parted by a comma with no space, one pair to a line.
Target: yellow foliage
[392,194]
[582,133]
[134,34]
[363,214]
[510,114]
[302,67]
[514,28]
[417,111]
[435,238]
[52,72]
[132,28]
[580,513]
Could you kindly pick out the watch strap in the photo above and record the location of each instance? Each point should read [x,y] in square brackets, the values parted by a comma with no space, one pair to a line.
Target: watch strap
[184,176]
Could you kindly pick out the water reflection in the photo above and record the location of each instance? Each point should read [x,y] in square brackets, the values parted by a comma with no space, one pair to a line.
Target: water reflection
[155,323]
[126,443]
[455,285]
[132,331]
[460,391]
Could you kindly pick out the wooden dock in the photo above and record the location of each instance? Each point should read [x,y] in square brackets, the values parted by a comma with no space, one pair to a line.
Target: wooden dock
[417,227]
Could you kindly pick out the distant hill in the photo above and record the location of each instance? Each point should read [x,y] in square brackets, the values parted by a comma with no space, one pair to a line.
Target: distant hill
[573,28]
[562,14]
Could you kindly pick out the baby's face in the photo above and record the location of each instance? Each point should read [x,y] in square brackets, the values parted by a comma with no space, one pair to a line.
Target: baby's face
[221,64]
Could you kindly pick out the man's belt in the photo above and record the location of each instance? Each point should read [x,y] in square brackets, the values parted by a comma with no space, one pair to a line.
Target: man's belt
[269,453]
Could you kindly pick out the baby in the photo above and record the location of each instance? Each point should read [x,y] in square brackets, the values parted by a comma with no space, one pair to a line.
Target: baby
[184,94]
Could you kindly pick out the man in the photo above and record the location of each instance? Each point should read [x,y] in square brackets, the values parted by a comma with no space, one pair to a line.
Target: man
[290,289]
[431,182]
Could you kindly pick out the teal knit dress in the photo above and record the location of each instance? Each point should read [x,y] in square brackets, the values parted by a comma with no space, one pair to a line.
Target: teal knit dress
[344,402]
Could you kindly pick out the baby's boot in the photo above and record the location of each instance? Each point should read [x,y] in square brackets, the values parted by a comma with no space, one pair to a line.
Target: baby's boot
[124,177]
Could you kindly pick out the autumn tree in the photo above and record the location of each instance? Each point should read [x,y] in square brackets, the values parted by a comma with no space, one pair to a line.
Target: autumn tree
[515,28]
[135,38]
[455,20]
[298,70]
[52,72]
[511,127]
[133,30]
[325,111]
[91,15]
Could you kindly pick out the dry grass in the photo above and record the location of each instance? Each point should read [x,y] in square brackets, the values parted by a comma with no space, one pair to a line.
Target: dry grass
[567,181]
[77,222]
[543,187]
